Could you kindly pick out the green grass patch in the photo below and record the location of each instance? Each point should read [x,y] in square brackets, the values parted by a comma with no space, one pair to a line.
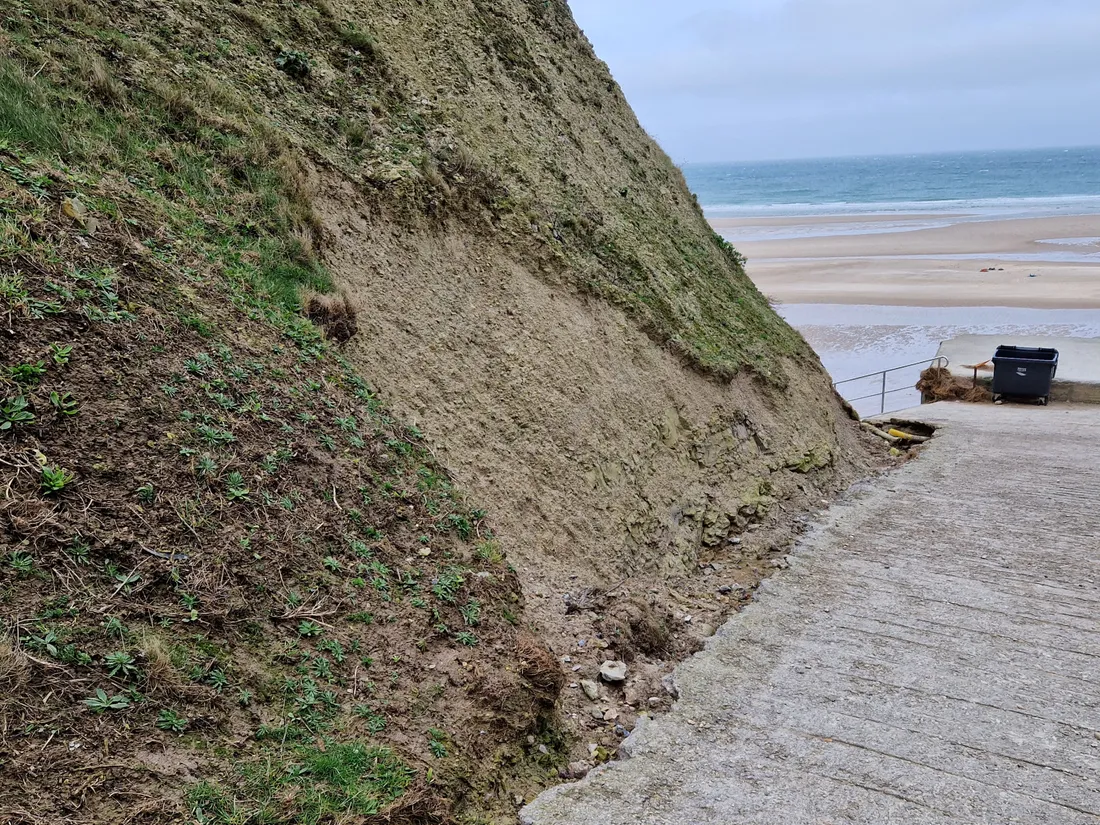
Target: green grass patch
[320,784]
[25,117]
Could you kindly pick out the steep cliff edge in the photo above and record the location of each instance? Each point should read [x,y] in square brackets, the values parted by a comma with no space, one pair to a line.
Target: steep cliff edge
[254,575]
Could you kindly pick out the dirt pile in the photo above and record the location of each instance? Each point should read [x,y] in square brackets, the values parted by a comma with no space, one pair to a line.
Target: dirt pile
[939,384]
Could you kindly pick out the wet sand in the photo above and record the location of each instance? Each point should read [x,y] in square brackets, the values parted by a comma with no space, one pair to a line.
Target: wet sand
[870,268]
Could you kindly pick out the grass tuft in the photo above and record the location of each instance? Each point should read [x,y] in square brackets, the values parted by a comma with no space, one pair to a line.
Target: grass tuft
[25,117]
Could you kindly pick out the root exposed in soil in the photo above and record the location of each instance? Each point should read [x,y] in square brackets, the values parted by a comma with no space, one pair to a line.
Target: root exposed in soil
[938,384]
[335,314]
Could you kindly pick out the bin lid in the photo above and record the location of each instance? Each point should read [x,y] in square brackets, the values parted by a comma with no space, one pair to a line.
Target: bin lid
[1028,353]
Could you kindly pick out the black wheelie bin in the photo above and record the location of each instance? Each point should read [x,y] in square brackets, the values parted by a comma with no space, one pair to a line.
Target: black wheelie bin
[1024,373]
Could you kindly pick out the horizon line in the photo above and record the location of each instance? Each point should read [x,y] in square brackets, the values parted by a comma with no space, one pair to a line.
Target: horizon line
[865,156]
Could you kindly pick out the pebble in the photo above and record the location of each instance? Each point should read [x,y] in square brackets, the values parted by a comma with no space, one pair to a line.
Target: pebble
[610,715]
[575,770]
[613,671]
[591,689]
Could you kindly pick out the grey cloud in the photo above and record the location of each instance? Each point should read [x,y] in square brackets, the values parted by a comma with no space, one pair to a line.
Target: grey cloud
[827,65]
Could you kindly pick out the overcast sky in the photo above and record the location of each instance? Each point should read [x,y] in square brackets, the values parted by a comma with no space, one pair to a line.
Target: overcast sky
[757,79]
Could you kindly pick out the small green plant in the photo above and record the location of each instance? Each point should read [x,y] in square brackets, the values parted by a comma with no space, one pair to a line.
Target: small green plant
[466,638]
[206,467]
[169,720]
[214,435]
[47,643]
[333,648]
[244,697]
[218,680]
[308,628]
[64,403]
[55,480]
[14,412]
[121,665]
[102,702]
[79,549]
[146,493]
[320,668]
[471,613]
[294,63]
[447,584]
[27,374]
[60,354]
[437,743]
[376,722]
[235,487]
[114,627]
[21,562]
[490,551]
[332,563]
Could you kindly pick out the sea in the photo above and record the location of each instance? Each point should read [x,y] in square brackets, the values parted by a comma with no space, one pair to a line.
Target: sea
[1000,184]
[920,191]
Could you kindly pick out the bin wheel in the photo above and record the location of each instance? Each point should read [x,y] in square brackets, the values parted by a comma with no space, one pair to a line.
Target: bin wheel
[1043,401]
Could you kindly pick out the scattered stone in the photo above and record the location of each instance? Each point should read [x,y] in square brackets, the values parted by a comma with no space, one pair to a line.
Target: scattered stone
[610,715]
[669,684]
[725,589]
[705,630]
[591,689]
[613,671]
[545,751]
[73,208]
[596,713]
[655,701]
[574,770]
[621,731]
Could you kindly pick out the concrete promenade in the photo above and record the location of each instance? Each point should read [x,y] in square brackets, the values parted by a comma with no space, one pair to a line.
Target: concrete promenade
[931,656]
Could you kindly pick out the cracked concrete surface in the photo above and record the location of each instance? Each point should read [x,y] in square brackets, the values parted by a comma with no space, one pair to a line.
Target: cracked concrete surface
[932,655]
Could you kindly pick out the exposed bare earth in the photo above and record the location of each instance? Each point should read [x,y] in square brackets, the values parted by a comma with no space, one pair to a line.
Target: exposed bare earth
[863,269]
[928,658]
[608,464]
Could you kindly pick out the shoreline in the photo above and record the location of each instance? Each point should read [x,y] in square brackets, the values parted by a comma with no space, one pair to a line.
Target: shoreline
[915,266]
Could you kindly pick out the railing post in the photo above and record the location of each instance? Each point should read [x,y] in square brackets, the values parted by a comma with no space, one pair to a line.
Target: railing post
[882,406]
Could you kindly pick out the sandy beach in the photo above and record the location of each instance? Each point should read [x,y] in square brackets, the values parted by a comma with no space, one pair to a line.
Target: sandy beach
[850,260]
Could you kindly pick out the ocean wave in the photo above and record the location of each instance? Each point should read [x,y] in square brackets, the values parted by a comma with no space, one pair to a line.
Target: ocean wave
[976,207]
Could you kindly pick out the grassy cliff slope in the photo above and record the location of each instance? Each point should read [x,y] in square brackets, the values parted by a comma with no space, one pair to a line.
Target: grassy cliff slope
[238,587]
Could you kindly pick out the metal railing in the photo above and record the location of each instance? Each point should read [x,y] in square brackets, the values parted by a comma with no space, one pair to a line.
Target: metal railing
[882,393]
